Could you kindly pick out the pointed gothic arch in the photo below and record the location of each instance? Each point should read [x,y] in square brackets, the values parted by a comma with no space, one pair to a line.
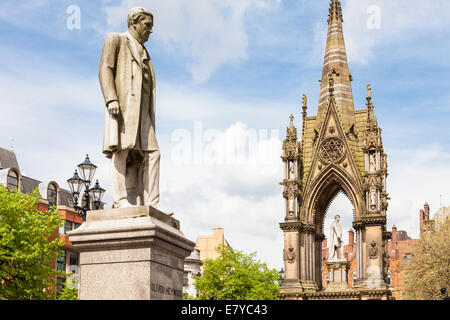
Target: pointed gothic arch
[326,187]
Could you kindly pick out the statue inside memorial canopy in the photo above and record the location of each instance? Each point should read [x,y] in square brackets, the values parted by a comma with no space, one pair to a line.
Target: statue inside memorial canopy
[335,239]
[127,80]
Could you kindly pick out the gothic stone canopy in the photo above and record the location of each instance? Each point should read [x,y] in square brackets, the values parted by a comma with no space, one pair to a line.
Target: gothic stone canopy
[339,150]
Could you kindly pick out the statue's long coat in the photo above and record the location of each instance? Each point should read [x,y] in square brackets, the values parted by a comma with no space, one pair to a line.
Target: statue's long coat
[335,238]
[121,79]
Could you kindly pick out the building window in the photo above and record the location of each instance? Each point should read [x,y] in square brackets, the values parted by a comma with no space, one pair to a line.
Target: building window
[51,195]
[61,261]
[73,259]
[13,180]
[67,226]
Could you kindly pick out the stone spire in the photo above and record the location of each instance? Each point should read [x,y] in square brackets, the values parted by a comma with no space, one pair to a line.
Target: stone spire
[291,145]
[335,63]
[291,132]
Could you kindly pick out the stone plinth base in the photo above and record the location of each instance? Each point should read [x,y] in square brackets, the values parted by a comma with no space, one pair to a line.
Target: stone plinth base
[295,289]
[338,275]
[131,254]
[337,287]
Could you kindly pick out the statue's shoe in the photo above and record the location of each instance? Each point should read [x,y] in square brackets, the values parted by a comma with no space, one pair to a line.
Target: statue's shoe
[124,204]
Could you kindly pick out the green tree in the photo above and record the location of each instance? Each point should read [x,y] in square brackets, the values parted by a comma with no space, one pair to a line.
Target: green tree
[429,268]
[69,292]
[236,276]
[29,245]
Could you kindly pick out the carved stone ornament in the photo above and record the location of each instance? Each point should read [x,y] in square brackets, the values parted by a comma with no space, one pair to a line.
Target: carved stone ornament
[316,136]
[372,182]
[384,201]
[352,134]
[291,226]
[289,256]
[332,150]
[373,250]
[291,149]
[291,190]
[331,129]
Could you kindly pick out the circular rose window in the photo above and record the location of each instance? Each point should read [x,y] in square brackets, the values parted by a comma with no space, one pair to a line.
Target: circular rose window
[332,150]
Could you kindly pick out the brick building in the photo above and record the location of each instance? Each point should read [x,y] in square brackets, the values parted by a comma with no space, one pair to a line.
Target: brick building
[51,194]
[400,248]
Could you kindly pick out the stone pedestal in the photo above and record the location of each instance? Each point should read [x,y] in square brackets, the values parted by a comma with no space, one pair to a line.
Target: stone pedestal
[338,273]
[131,254]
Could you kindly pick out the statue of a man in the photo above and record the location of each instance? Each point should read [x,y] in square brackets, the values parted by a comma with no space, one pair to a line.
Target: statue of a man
[127,79]
[372,162]
[373,200]
[335,239]
[291,171]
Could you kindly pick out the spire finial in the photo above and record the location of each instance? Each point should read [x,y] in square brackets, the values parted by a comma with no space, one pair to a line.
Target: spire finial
[304,103]
[369,103]
[291,132]
[335,12]
[369,92]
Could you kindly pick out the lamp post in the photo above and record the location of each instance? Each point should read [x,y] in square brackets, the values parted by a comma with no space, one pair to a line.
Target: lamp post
[281,278]
[76,183]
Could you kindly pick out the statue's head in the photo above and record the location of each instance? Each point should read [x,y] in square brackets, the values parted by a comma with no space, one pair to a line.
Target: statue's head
[337,217]
[141,21]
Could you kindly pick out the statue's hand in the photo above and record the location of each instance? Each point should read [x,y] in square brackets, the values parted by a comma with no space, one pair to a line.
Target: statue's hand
[113,108]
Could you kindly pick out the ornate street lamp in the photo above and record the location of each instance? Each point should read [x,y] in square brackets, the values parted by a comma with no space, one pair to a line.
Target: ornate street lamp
[96,194]
[87,171]
[281,278]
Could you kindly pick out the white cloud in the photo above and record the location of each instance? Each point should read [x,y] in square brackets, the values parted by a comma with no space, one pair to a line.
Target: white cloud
[417,175]
[210,33]
[241,195]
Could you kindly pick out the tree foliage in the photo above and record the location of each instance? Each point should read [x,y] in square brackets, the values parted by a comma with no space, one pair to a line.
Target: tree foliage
[236,276]
[69,292]
[28,247]
[429,268]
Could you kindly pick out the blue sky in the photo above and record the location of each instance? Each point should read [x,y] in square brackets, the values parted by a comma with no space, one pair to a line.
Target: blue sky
[225,68]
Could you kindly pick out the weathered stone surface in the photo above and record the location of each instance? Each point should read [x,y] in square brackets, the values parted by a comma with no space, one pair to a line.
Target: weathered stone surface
[131,254]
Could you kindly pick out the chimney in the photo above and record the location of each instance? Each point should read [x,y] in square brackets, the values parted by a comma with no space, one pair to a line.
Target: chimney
[351,237]
[324,248]
[426,207]
[422,218]
[394,235]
